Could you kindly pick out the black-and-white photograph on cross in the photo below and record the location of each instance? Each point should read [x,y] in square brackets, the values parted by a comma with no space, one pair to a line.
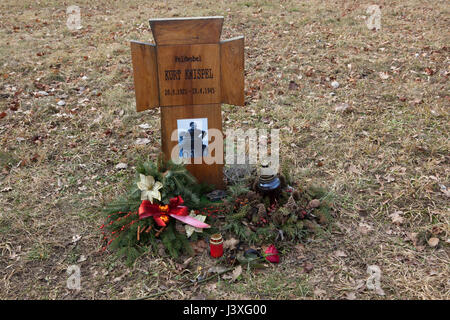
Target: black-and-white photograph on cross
[193,137]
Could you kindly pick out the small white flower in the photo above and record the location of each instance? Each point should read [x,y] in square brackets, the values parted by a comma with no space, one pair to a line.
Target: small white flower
[149,188]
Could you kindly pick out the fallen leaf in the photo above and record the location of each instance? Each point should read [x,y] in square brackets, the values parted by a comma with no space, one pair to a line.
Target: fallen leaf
[230,244]
[300,248]
[144,126]
[364,228]
[76,238]
[350,296]
[340,253]
[319,292]
[413,237]
[121,166]
[417,101]
[199,246]
[352,169]
[141,141]
[444,190]
[187,261]
[119,278]
[315,203]
[436,230]
[335,84]
[234,275]
[211,287]
[383,75]
[13,256]
[433,273]
[308,266]
[359,286]
[429,71]
[22,163]
[433,242]
[293,85]
[216,269]
[343,107]
[396,217]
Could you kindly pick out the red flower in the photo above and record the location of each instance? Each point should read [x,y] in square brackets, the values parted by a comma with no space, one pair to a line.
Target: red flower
[161,213]
[272,254]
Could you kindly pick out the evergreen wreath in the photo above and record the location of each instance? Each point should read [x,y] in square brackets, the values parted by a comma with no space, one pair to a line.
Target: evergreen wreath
[165,206]
[162,188]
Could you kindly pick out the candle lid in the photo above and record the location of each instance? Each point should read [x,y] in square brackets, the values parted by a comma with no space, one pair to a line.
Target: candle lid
[216,237]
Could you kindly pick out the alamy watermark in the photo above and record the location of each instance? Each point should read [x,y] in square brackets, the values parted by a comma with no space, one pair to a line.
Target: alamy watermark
[373,22]
[199,144]
[74,280]
[374,280]
[74,17]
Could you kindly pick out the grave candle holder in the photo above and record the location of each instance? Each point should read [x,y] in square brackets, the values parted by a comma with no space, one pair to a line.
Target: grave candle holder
[269,184]
[216,245]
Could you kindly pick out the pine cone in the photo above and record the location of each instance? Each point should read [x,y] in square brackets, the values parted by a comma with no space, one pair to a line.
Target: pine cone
[259,213]
[180,227]
[252,212]
[255,185]
[252,196]
[277,218]
[262,212]
[291,205]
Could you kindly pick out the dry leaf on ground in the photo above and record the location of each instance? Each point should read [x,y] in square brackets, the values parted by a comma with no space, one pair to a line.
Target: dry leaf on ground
[364,228]
[230,244]
[433,242]
[340,253]
[350,296]
[319,292]
[217,269]
[234,275]
[396,217]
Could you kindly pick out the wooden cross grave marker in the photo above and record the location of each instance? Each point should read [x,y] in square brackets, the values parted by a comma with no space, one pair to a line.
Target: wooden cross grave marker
[189,73]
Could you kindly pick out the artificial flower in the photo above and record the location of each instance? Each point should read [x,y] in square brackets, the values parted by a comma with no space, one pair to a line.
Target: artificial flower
[149,188]
[271,254]
[174,209]
[190,229]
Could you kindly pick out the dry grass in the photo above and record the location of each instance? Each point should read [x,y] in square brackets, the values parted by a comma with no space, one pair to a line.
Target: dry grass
[388,152]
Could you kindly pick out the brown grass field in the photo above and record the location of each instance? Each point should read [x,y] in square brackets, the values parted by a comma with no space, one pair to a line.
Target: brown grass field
[379,143]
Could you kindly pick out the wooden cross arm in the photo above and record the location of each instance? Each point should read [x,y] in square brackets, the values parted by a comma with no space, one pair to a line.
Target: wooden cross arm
[232,71]
[190,30]
[145,72]
[162,80]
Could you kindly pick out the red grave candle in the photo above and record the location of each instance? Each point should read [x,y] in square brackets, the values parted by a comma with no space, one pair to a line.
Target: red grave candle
[216,245]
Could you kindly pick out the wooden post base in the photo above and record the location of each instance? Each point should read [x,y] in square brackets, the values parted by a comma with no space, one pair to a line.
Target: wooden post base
[208,173]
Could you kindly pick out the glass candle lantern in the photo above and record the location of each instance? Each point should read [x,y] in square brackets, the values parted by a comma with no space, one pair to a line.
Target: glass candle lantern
[268,183]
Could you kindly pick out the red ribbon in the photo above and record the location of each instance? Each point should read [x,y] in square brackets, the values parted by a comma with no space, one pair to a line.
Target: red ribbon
[161,213]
